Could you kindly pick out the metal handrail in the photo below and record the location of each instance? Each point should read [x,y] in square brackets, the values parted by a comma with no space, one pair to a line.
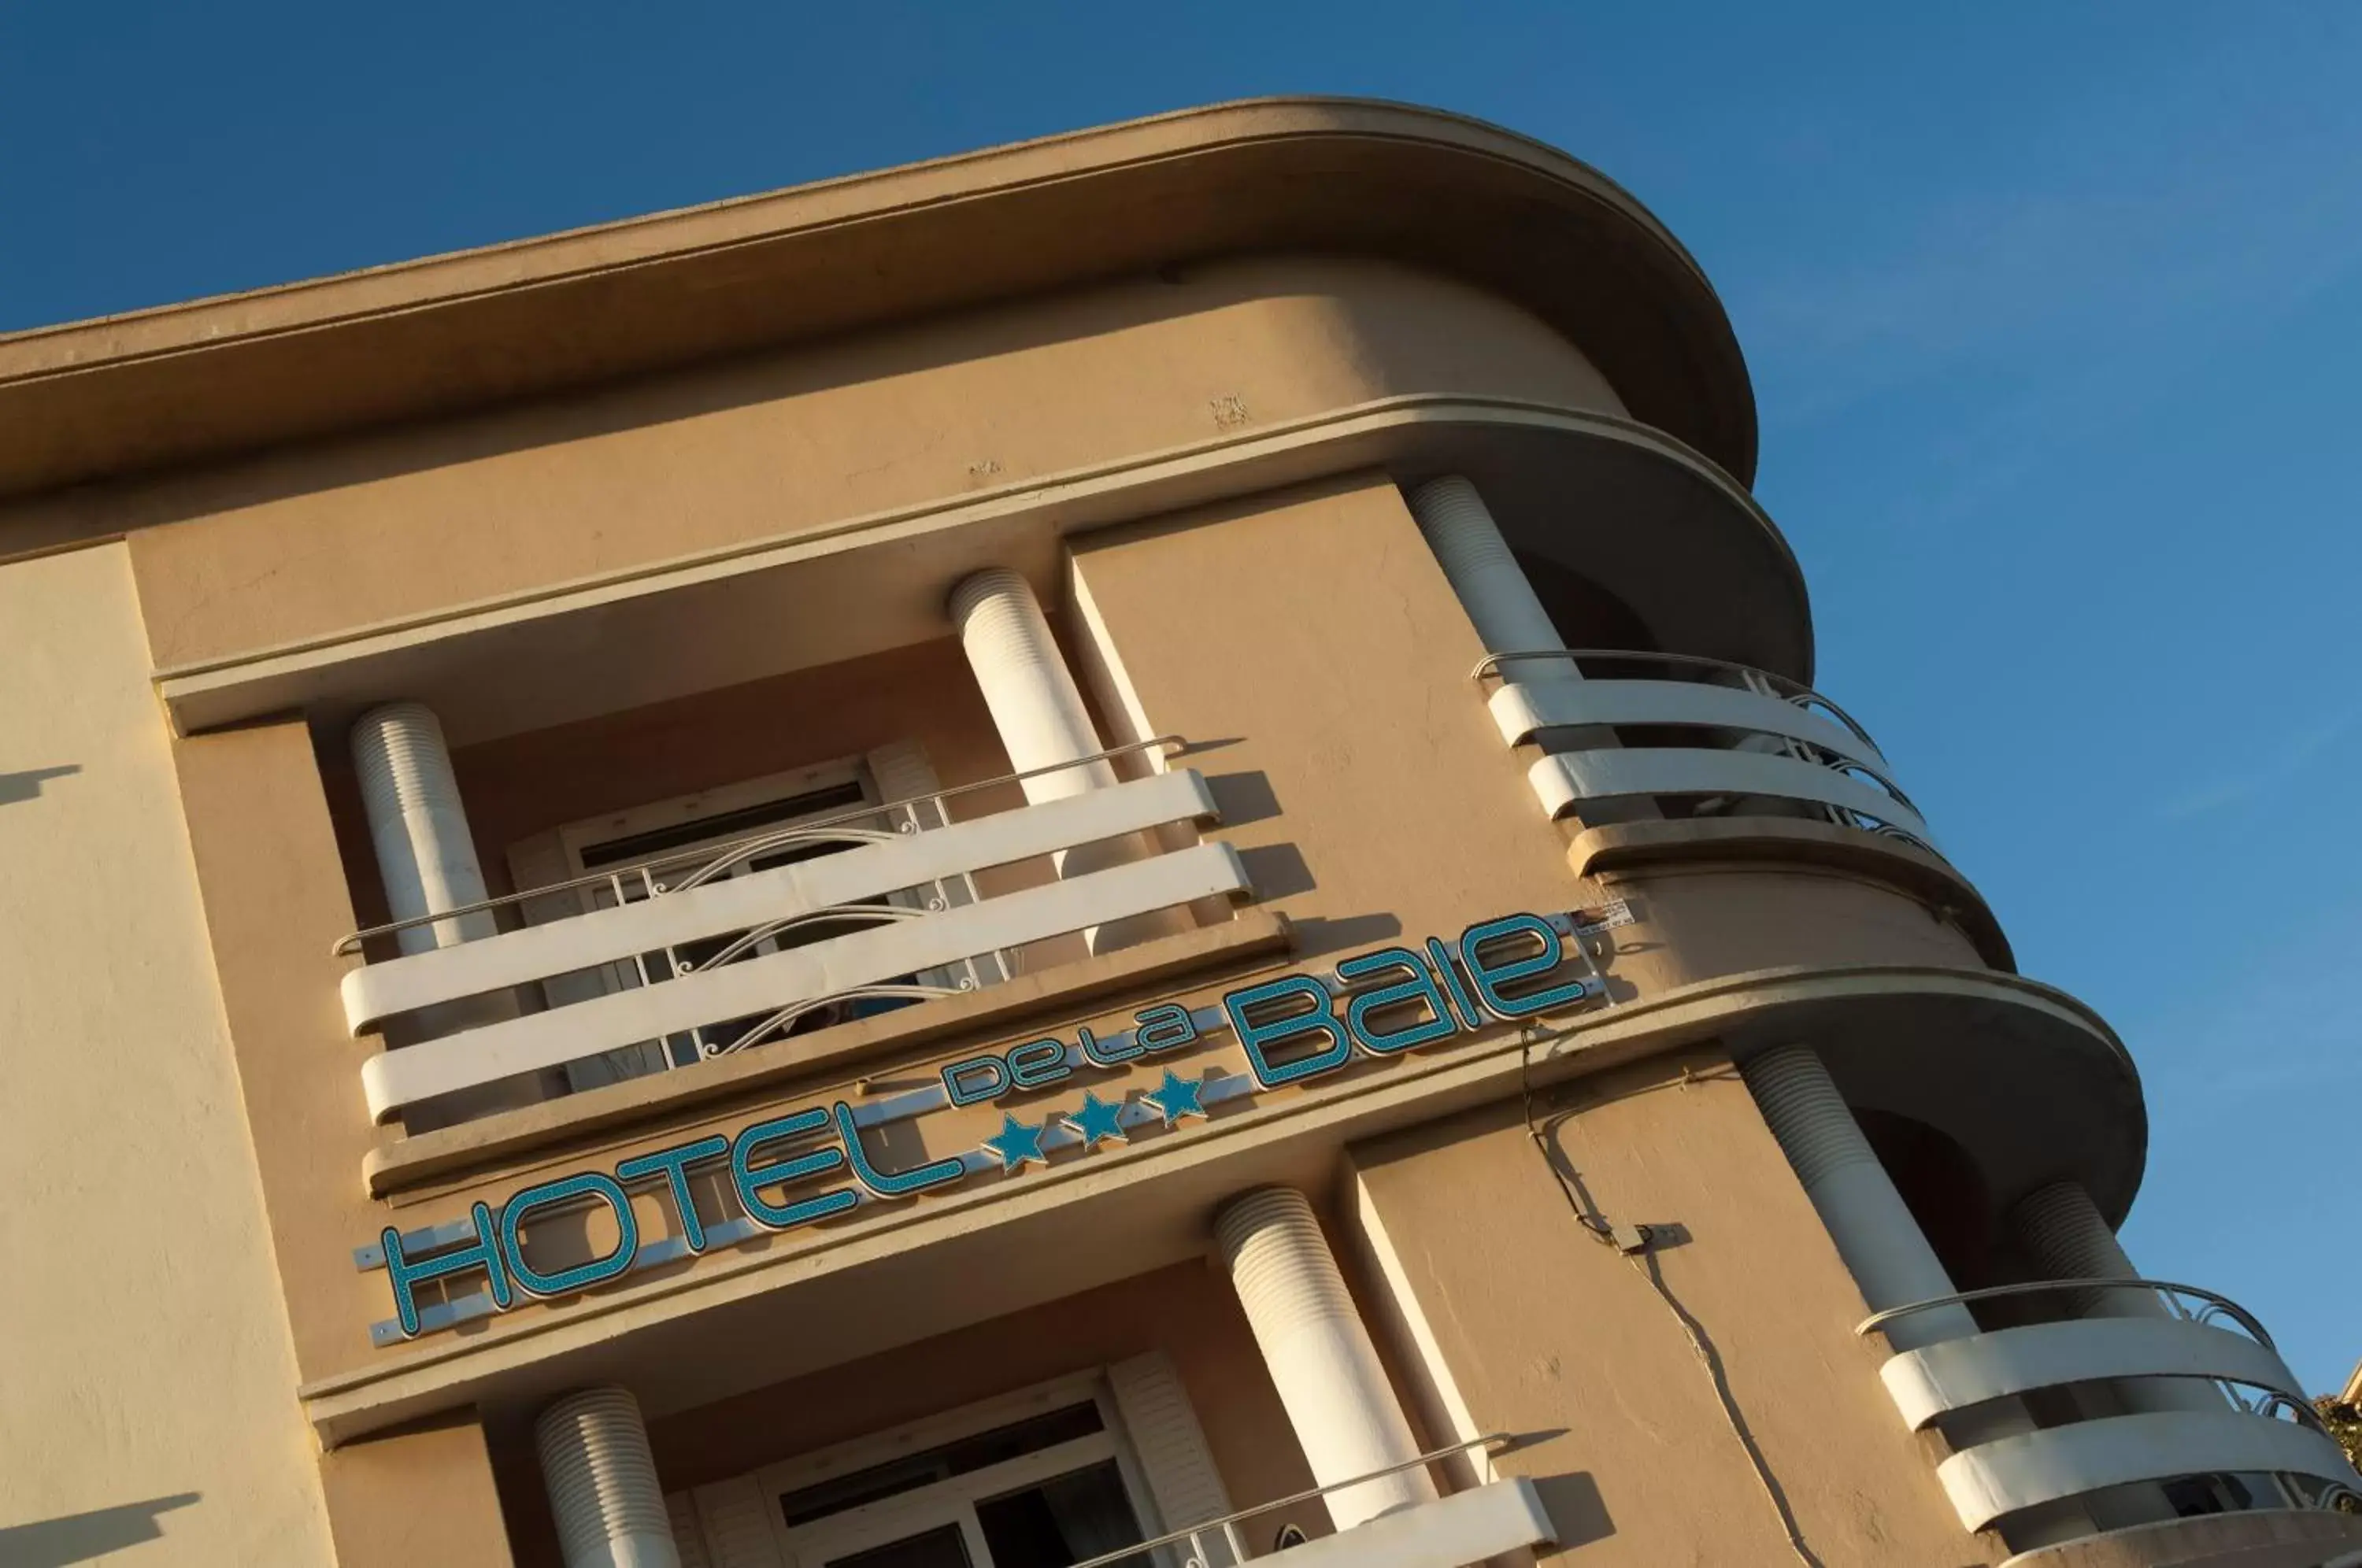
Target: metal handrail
[2223,1304]
[352,940]
[1797,694]
[747,849]
[794,1010]
[1490,664]
[1883,783]
[885,914]
[1107,1559]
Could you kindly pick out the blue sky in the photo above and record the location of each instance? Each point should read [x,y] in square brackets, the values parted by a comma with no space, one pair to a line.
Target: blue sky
[2052,312]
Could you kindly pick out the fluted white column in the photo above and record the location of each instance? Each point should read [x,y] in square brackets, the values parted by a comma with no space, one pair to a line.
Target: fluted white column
[1875,1229]
[1034,702]
[1039,711]
[424,855]
[1507,613]
[1881,1242]
[1491,585]
[1344,1412]
[2061,1229]
[426,860]
[602,1483]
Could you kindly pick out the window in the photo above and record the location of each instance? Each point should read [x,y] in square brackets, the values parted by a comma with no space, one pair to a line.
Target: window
[1047,1478]
[679,832]
[1040,1492]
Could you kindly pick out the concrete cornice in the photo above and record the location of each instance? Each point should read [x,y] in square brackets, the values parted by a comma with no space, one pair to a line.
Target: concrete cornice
[212,378]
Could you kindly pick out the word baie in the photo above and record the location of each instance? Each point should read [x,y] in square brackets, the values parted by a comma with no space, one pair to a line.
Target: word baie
[1280,1021]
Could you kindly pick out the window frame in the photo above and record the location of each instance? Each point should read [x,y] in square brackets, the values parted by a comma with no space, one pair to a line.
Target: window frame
[907,1513]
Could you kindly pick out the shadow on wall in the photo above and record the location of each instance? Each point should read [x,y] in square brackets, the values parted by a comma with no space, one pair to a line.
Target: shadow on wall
[81,1538]
[17,788]
[1277,870]
[1578,1514]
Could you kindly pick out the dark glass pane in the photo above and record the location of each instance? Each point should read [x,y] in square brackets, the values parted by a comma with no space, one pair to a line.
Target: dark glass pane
[790,855]
[1067,1519]
[969,1454]
[739,824]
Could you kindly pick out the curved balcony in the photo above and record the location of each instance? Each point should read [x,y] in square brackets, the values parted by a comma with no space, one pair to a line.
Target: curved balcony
[1747,735]
[2205,1392]
[1664,757]
[778,935]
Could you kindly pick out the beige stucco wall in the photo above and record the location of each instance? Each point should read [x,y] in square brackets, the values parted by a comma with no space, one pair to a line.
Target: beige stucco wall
[423,1496]
[147,1385]
[325,538]
[1311,645]
[1692,922]
[1546,1332]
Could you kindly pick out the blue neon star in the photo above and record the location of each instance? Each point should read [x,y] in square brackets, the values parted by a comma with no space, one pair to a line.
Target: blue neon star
[1098,1120]
[1176,1097]
[1016,1144]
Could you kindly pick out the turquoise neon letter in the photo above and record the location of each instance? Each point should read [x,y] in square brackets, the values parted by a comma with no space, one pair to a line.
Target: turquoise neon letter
[671,1164]
[1101,1053]
[1168,1026]
[750,1178]
[1420,987]
[1256,1036]
[1490,978]
[582,1276]
[1038,1061]
[991,1070]
[484,1253]
[892,1184]
[1440,952]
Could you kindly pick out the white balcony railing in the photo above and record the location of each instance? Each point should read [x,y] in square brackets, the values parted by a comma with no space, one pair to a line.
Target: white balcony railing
[872,914]
[1495,1517]
[2207,1393]
[1700,735]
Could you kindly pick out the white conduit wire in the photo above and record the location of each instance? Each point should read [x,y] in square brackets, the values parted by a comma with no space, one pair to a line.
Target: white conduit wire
[417,827]
[602,1483]
[1319,1355]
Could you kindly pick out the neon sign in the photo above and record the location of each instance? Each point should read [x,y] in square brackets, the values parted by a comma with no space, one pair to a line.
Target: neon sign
[812,1165]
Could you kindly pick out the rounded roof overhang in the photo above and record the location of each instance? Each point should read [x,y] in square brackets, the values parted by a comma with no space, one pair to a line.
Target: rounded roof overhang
[214,377]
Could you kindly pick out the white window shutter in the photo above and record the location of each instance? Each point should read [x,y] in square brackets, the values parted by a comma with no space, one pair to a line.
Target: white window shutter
[688,1535]
[1179,1467]
[737,1514]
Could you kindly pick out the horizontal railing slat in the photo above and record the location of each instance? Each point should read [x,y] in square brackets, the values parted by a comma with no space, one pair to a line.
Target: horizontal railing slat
[1955,1374]
[378,991]
[1565,777]
[758,986]
[2025,1470]
[1523,707]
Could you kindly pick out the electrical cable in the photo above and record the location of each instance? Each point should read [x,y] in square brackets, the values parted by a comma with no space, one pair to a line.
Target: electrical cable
[1600,1231]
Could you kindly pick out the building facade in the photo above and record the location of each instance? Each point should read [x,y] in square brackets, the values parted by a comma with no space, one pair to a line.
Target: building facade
[1117,845]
